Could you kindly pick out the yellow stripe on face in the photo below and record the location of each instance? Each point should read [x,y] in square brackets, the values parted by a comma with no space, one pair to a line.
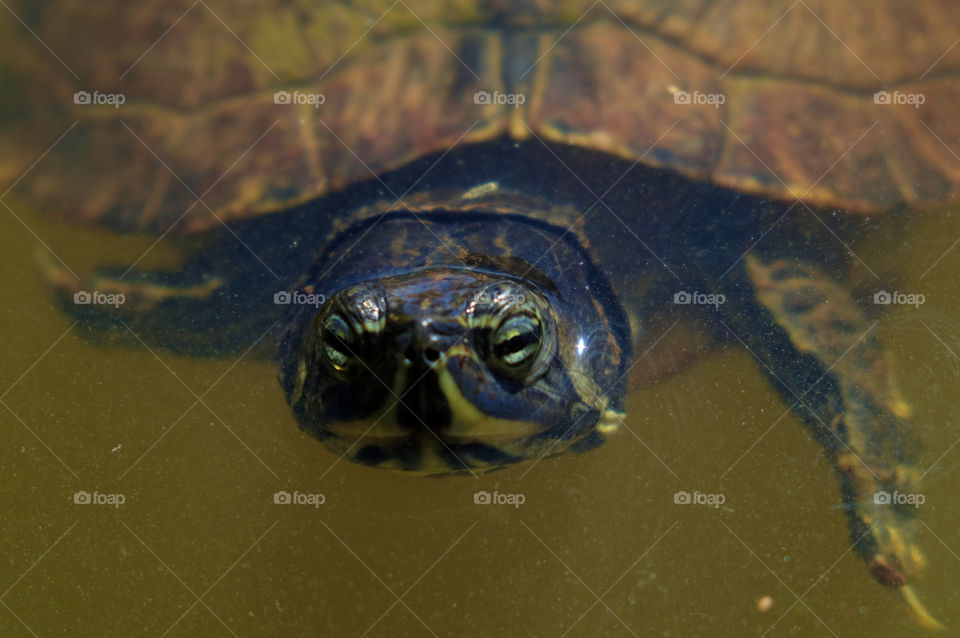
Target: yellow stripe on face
[470,424]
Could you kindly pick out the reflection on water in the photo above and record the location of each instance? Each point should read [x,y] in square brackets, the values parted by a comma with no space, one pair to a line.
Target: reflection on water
[199,466]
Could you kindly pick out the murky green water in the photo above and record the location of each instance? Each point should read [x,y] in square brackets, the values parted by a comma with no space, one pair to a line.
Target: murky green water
[199,478]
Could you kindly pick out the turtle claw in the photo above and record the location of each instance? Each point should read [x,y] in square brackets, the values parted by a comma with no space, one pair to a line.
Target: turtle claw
[917,611]
[910,564]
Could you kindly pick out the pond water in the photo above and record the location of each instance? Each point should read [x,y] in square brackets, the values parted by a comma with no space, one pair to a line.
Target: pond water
[199,519]
[184,458]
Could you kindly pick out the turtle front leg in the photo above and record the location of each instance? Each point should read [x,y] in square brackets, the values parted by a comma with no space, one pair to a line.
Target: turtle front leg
[826,359]
[190,311]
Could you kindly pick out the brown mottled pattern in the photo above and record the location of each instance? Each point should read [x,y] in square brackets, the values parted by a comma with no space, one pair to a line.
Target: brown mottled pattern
[897,40]
[200,100]
[605,90]
[823,320]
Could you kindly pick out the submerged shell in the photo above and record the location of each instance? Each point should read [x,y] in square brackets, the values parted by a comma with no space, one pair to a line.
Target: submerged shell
[777,98]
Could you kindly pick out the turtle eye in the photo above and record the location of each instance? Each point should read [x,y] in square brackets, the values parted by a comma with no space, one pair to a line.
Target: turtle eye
[347,333]
[514,331]
[516,342]
[338,343]
[515,345]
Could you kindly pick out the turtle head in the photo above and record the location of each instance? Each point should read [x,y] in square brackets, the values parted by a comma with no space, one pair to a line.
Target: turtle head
[455,367]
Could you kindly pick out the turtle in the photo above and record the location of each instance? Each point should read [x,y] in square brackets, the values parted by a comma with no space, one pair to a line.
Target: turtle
[459,227]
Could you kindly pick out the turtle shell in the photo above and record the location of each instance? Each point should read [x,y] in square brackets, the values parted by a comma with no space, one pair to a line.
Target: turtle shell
[162,116]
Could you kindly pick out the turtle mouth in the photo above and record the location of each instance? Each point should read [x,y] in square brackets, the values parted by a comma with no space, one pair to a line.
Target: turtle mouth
[429,403]
[434,429]
[423,405]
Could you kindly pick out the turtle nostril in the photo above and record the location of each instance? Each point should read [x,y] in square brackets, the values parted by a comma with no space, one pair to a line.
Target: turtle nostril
[431,355]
